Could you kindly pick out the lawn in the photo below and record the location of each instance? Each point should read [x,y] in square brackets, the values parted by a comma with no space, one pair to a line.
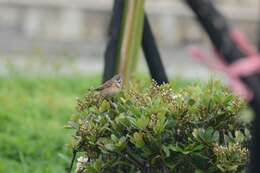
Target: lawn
[33,111]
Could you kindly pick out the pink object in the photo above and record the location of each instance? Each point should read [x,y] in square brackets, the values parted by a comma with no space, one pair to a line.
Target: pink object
[242,67]
[243,43]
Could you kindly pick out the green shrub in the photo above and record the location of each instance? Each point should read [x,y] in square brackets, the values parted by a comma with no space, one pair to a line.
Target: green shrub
[158,129]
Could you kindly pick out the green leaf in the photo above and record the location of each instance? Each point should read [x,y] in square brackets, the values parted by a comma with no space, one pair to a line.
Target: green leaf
[135,111]
[228,99]
[166,150]
[199,171]
[105,105]
[114,138]
[121,144]
[110,147]
[198,147]
[142,122]
[176,148]
[137,139]
[91,169]
[72,125]
[98,165]
[208,134]
[190,101]
[239,137]
[122,119]
[122,99]
[160,124]
[215,136]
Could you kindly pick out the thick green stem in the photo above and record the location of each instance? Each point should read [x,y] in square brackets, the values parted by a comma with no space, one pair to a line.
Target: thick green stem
[131,36]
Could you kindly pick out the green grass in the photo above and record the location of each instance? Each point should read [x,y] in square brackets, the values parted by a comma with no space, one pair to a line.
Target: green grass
[33,111]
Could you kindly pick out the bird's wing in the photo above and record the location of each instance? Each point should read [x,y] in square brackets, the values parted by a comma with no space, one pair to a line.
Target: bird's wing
[105,85]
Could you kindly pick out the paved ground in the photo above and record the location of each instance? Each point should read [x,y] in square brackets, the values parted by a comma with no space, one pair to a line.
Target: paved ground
[177,63]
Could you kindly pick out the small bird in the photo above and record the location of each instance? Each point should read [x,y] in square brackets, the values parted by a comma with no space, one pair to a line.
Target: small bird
[111,87]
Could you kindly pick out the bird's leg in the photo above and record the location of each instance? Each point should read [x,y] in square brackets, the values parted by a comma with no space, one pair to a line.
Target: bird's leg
[111,101]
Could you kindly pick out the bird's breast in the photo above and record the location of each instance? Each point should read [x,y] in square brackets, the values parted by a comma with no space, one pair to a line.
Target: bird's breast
[111,91]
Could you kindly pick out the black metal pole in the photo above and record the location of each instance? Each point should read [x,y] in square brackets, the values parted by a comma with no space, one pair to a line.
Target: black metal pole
[149,45]
[219,32]
[152,54]
[114,34]
[258,28]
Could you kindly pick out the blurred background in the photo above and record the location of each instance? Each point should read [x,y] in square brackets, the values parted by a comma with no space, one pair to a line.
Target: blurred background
[73,35]
[51,51]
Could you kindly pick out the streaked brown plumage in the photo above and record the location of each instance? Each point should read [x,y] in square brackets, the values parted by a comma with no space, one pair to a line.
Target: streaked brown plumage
[111,87]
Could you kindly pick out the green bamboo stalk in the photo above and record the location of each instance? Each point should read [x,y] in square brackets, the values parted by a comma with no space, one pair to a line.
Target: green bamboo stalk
[131,37]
